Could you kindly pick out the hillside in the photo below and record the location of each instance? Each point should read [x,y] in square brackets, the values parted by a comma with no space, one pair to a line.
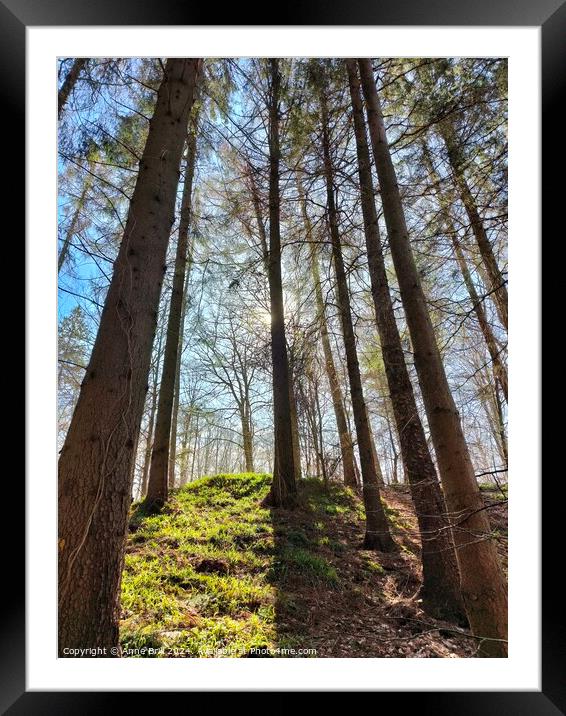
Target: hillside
[218,575]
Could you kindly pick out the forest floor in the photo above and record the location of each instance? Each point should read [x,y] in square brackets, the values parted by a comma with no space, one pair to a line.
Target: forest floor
[217,574]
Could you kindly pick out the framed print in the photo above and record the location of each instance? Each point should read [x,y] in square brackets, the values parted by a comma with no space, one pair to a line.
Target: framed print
[271,275]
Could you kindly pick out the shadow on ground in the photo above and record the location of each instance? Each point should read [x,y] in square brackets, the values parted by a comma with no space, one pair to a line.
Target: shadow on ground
[218,575]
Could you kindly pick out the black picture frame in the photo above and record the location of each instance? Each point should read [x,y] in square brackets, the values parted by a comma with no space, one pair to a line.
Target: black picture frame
[15,16]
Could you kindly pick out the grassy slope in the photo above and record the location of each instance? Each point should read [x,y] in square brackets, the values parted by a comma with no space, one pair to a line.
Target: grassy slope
[216,571]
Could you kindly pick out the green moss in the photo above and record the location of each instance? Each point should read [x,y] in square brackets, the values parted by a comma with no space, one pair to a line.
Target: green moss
[395,518]
[212,570]
[370,565]
[496,493]
[311,567]
[196,572]
[296,537]
[224,637]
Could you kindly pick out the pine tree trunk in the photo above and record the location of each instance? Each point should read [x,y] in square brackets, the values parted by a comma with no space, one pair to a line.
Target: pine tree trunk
[247,437]
[177,389]
[149,443]
[284,488]
[477,304]
[152,412]
[73,226]
[265,256]
[441,580]
[375,458]
[493,408]
[177,395]
[493,347]
[309,410]
[69,83]
[346,447]
[96,459]
[377,528]
[195,449]
[259,218]
[184,466]
[158,486]
[497,283]
[320,440]
[482,581]
[500,422]
[294,424]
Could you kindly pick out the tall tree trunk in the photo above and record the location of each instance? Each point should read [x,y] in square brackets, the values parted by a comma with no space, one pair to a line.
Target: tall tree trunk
[375,457]
[73,225]
[497,283]
[69,83]
[284,487]
[491,342]
[395,459]
[134,466]
[195,448]
[493,346]
[148,444]
[320,441]
[351,433]
[177,389]
[265,255]
[247,439]
[95,463]
[309,410]
[216,455]
[346,447]
[482,581]
[294,423]
[151,422]
[500,421]
[377,534]
[206,457]
[157,489]
[441,580]
[184,466]
[488,393]
[172,461]
[264,248]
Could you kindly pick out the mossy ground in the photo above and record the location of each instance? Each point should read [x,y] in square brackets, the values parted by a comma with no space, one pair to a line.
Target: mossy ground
[217,574]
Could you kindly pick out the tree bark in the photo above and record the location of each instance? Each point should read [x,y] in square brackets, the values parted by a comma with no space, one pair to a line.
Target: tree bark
[264,248]
[377,534]
[482,581]
[184,467]
[96,459]
[294,421]
[177,389]
[151,422]
[500,431]
[284,487]
[497,283]
[245,414]
[158,485]
[345,440]
[195,447]
[69,84]
[441,580]
[265,255]
[318,425]
[375,457]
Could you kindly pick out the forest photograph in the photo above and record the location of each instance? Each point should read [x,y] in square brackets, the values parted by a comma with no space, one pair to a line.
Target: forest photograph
[282,373]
